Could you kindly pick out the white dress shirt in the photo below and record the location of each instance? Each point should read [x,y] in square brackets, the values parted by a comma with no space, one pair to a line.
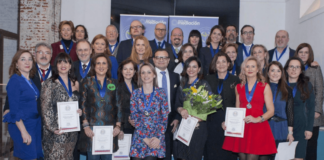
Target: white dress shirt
[85,64]
[284,57]
[244,56]
[39,73]
[159,78]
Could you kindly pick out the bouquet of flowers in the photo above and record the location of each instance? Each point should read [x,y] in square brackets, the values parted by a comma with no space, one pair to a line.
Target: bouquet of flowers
[200,103]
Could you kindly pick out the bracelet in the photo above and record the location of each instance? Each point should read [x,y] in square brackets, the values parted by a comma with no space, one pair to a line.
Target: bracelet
[290,132]
[118,126]
[85,125]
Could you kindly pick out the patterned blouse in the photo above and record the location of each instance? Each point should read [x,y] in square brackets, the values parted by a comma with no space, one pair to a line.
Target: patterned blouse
[97,110]
[147,127]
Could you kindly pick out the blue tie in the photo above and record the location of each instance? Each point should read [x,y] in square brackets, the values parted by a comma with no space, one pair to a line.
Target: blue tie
[164,83]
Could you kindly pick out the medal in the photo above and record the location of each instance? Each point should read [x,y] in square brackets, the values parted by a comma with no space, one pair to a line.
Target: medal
[70,99]
[248,95]
[146,113]
[175,55]
[102,100]
[176,60]
[248,106]
[147,106]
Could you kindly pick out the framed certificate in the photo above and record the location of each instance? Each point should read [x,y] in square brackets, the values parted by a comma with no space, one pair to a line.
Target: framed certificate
[102,141]
[124,147]
[186,129]
[234,122]
[68,118]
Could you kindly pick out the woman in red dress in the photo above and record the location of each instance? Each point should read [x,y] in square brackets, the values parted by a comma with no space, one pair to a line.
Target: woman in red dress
[253,93]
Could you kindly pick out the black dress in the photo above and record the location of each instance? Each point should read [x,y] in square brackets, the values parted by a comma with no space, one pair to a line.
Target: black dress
[213,147]
[195,149]
[123,101]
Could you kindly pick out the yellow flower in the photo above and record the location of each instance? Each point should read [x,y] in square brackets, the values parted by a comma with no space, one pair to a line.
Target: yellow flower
[210,96]
[194,90]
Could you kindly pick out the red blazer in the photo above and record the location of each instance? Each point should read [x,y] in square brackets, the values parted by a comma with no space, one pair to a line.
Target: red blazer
[57,49]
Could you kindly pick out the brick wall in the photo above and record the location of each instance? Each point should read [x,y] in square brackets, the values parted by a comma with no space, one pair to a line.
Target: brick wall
[39,20]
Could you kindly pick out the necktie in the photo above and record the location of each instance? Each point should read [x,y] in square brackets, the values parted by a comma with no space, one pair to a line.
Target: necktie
[43,73]
[177,50]
[164,83]
[159,43]
[248,49]
[84,66]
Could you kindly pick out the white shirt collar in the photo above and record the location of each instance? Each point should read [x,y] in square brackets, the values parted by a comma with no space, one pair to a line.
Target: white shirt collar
[85,63]
[158,71]
[41,68]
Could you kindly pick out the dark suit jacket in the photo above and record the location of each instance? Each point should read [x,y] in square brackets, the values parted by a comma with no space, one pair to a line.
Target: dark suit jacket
[77,74]
[205,58]
[168,46]
[56,50]
[124,50]
[239,59]
[154,47]
[174,84]
[36,80]
[271,53]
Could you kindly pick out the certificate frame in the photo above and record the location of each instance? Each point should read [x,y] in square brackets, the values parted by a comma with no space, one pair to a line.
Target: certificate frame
[124,148]
[104,131]
[234,122]
[67,106]
[187,126]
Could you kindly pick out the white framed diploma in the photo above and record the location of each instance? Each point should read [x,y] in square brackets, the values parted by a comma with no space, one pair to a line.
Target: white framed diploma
[124,147]
[68,118]
[102,141]
[234,122]
[186,129]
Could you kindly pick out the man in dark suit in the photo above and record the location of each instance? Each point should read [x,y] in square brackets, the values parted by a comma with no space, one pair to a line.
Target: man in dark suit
[244,50]
[112,35]
[125,47]
[176,44]
[170,82]
[231,35]
[82,66]
[160,43]
[282,52]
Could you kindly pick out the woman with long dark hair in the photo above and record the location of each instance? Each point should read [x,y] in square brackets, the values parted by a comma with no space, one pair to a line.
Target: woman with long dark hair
[195,39]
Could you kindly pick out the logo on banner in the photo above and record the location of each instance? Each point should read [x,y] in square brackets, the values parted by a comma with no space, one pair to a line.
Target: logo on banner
[185,22]
[152,21]
[204,31]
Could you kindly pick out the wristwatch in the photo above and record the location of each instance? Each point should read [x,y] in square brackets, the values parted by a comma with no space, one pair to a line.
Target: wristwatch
[262,119]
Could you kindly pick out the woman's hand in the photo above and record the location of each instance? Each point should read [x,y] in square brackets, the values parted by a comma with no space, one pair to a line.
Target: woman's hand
[121,135]
[147,141]
[80,112]
[58,132]
[308,135]
[155,143]
[290,138]
[317,115]
[184,113]
[5,112]
[224,126]
[88,132]
[250,119]
[26,138]
[116,131]
[132,122]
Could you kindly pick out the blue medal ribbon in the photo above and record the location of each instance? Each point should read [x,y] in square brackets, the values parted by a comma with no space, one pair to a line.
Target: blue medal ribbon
[147,106]
[174,52]
[282,53]
[65,49]
[128,88]
[32,85]
[247,54]
[234,68]
[249,96]
[102,91]
[294,89]
[306,67]
[112,51]
[84,74]
[212,50]
[41,74]
[162,44]
[69,91]
[220,86]
[193,83]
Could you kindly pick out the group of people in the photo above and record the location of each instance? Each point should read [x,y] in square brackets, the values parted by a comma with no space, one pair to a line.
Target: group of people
[137,86]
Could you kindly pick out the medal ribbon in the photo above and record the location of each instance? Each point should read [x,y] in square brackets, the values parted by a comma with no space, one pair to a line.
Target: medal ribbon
[282,53]
[193,83]
[247,54]
[128,88]
[174,52]
[162,44]
[46,75]
[306,67]
[69,84]
[294,89]
[112,51]
[84,74]
[102,91]
[65,49]
[234,68]
[32,85]
[212,50]
[220,86]
[250,95]
[144,99]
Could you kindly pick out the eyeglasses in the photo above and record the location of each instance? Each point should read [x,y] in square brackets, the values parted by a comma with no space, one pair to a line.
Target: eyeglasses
[41,52]
[160,30]
[135,27]
[294,67]
[161,58]
[248,33]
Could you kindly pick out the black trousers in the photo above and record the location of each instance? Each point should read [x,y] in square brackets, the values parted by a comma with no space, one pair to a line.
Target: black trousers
[311,151]
[168,141]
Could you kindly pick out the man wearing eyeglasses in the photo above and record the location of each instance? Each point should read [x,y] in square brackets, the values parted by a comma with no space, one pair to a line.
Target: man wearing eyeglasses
[231,34]
[82,66]
[244,50]
[112,35]
[125,47]
[160,43]
[169,81]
